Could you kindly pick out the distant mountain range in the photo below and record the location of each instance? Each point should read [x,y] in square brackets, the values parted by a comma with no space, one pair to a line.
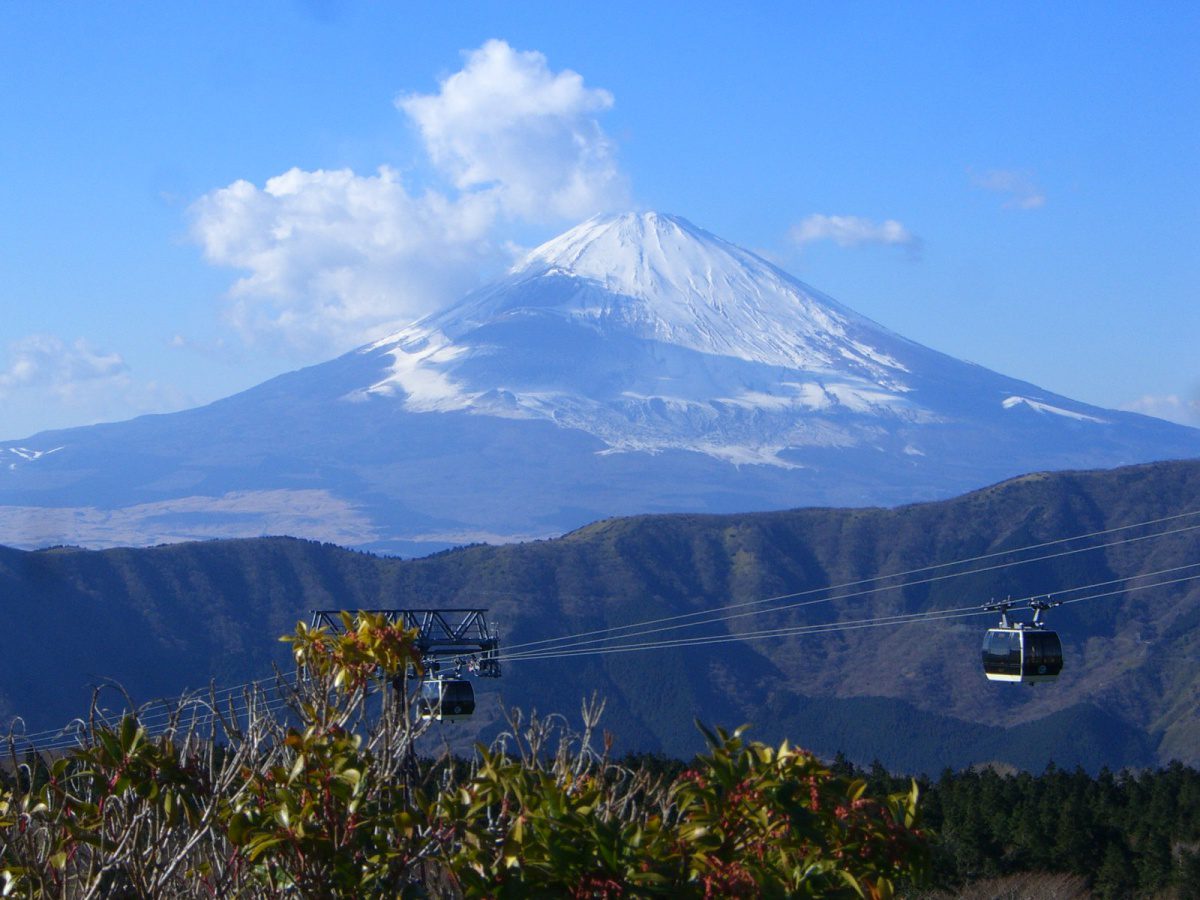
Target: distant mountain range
[635,364]
[912,696]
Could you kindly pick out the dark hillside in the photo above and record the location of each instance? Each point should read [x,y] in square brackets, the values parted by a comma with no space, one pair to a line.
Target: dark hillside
[167,617]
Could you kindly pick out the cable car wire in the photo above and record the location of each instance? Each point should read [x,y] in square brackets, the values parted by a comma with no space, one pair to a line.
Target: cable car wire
[816,628]
[170,705]
[900,618]
[904,574]
[826,628]
[70,737]
[704,617]
[572,645]
[70,740]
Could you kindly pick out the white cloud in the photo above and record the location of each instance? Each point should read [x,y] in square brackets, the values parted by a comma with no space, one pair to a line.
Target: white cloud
[508,124]
[854,231]
[1017,186]
[46,361]
[334,258]
[1171,407]
[47,382]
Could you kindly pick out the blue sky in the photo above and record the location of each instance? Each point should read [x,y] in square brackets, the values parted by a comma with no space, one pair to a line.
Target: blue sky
[192,196]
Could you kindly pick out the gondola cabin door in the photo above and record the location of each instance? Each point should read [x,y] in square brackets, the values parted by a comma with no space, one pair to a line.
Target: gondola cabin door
[1021,653]
[446,699]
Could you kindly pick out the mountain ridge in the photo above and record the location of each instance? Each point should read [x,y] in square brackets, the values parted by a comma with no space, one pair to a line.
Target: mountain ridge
[161,619]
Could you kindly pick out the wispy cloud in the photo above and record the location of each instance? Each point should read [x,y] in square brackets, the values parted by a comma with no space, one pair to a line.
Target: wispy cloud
[52,382]
[43,360]
[1171,407]
[333,258]
[854,231]
[1016,186]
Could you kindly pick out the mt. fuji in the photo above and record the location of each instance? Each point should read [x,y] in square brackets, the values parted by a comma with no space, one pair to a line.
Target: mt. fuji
[634,364]
[652,335]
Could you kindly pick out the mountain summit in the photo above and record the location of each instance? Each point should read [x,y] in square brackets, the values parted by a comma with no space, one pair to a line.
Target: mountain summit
[661,278]
[653,334]
[636,363]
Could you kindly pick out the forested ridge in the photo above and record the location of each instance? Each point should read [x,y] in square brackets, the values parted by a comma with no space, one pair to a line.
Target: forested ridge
[158,620]
[1128,833]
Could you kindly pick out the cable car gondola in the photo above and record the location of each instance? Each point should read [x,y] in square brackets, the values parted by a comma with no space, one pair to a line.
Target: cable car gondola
[1022,651]
[446,699]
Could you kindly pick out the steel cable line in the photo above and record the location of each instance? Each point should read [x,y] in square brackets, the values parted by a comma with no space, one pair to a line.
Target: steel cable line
[864,623]
[73,738]
[217,695]
[271,705]
[152,724]
[1129,590]
[816,628]
[166,707]
[236,700]
[569,642]
[163,716]
[166,712]
[187,711]
[899,618]
[903,574]
[706,617]
[823,628]
[834,626]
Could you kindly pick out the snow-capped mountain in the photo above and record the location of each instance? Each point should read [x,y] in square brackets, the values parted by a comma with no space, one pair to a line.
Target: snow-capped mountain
[651,334]
[634,364]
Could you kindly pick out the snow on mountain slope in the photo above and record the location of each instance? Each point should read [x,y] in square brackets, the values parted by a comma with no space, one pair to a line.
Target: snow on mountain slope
[634,364]
[661,278]
[667,337]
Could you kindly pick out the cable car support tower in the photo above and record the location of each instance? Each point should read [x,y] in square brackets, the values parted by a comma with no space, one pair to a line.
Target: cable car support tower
[453,643]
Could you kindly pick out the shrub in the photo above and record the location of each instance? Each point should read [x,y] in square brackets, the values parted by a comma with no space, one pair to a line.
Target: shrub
[316,792]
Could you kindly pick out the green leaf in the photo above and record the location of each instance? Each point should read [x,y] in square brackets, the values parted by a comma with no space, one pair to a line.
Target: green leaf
[238,826]
[261,846]
[129,734]
[851,881]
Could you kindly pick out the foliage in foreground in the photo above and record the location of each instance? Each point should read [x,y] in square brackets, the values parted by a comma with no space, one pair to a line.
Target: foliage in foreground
[323,797]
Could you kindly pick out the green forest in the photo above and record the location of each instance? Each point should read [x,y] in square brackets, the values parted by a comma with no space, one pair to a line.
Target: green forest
[1128,834]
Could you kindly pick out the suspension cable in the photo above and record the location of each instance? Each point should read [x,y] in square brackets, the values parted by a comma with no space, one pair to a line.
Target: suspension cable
[875,622]
[571,645]
[704,617]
